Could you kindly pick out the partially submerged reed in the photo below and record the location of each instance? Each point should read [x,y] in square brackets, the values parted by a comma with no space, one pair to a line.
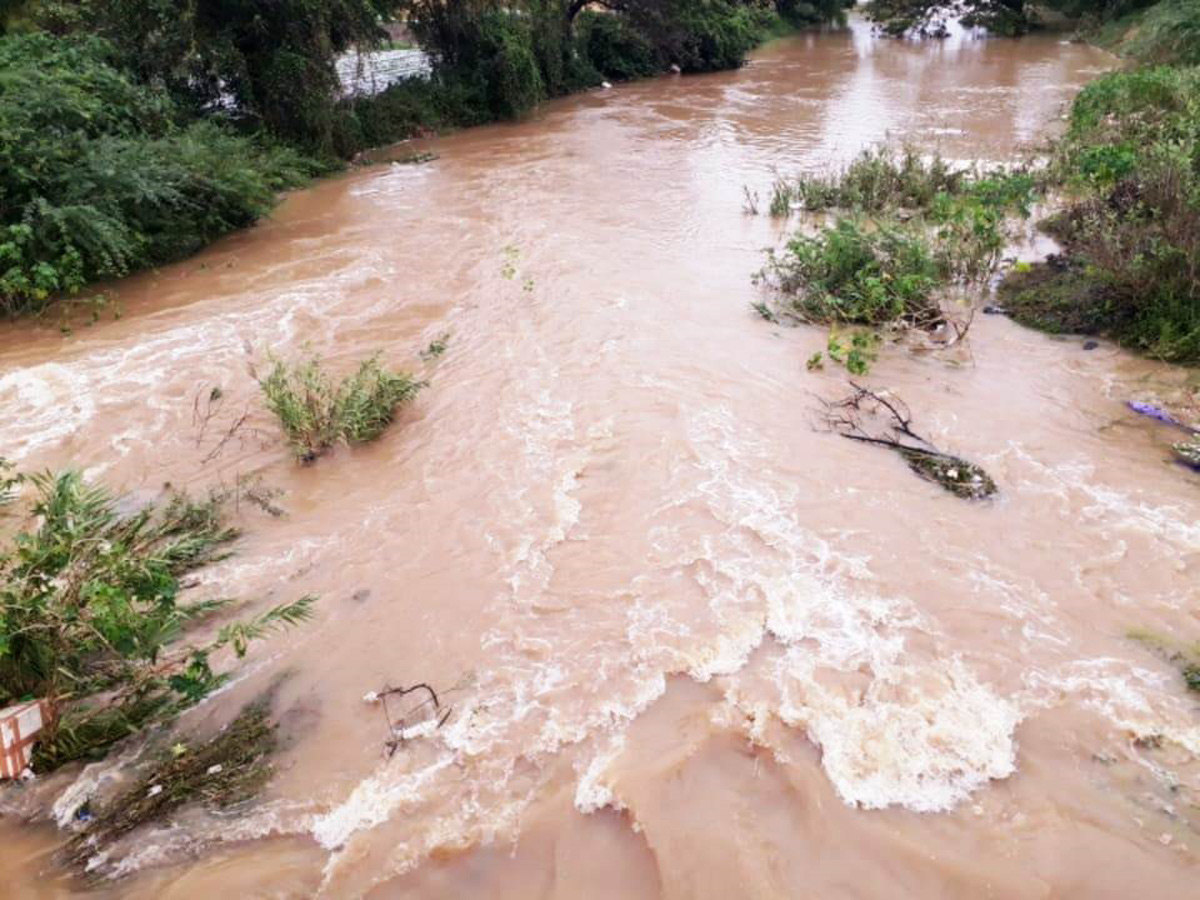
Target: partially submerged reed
[316,413]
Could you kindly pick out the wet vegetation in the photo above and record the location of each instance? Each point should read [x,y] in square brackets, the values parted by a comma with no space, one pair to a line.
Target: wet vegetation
[905,228]
[92,616]
[1186,658]
[220,773]
[1129,171]
[316,413]
[852,273]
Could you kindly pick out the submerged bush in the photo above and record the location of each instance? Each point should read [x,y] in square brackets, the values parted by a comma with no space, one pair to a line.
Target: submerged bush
[91,617]
[853,274]
[928,225]
[222,772]
[97,179]
[316,413]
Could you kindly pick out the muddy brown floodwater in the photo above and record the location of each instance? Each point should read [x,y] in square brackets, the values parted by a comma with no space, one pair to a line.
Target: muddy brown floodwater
[693,648]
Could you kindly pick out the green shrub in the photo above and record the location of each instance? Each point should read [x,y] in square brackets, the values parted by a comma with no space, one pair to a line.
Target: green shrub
[91,615]
[96,179]
[1130,226]
[858,275]
[1151,101]
[1167,31]
[316,413]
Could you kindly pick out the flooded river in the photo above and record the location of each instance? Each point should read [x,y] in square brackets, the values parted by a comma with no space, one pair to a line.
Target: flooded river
[692,647]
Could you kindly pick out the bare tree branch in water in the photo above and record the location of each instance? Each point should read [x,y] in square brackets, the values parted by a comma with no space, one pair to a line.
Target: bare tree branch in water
[885,420]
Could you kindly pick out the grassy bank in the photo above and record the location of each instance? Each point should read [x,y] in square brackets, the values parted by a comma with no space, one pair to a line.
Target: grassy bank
[1128,173]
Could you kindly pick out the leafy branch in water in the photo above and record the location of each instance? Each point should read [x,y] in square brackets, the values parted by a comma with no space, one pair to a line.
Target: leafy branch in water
[885,420]
[316,413]
[91,617]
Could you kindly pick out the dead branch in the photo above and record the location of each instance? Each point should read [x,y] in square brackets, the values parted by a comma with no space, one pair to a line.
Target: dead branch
[885,420]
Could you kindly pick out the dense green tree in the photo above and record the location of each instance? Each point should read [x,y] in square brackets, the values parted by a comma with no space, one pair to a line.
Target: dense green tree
[270,61]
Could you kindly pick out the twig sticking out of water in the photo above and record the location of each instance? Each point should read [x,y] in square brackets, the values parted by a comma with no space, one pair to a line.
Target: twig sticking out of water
[885,420]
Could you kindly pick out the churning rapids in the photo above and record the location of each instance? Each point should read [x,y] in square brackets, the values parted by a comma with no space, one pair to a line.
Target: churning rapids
[694,648]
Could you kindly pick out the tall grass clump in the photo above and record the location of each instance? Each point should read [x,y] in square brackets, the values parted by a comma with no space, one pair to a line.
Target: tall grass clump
[92,617]
[1129,222]
[316,413]
[879,179]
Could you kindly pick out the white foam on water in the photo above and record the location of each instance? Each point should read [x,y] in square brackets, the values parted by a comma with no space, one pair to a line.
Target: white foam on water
[375,801]
[922,733]
[594,791]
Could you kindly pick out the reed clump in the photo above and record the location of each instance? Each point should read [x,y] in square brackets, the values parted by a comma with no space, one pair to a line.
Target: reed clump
[316,412]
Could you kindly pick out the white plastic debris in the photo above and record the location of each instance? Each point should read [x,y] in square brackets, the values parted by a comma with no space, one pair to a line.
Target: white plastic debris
[155,790]
[214,770]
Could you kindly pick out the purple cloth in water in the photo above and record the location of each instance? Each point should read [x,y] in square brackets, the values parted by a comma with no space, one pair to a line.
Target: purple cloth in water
[1153,412]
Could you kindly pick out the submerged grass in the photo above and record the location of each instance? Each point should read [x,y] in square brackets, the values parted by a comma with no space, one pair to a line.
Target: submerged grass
[906,226]
[316,413]
[91,615]
[219,773]
[1185,658]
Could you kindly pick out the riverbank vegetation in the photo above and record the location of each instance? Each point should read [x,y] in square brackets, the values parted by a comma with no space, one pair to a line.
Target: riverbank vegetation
[316,413]
[1128,170]
[495,61]
[98,177]
[134,132]
[92,615]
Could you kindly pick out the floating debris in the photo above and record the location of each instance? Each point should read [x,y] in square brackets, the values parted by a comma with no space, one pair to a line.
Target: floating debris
[420,720]
[1188,452]
[230,769]
[961,478]
[1154,412]
[875,418]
